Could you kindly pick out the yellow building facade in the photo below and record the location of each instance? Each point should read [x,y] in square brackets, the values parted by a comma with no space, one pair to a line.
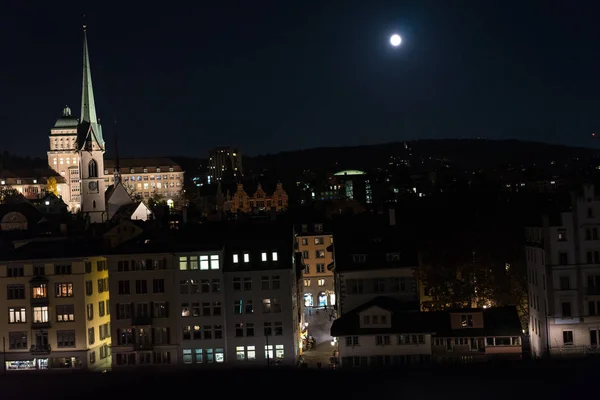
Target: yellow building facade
[317,279]
[56,314]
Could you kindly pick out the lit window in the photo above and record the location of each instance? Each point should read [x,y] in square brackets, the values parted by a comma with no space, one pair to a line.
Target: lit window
[246,257]
[240,353]
[182,263]
[187,356]
[204,263]
[263,257]
[321,282]
[274,255]
[269,351]
[279,351]
[219,355]
[236,259]
[214,261]
[251,352]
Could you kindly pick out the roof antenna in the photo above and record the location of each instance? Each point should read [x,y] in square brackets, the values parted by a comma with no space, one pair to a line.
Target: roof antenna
[117,167]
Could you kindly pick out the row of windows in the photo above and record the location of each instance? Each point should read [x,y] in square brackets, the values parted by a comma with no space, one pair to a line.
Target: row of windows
[318,254]
[141,286]
[264,257]
[39,291]
[320,269]
[317,241]
[320,282]
[16,271]
[202,263]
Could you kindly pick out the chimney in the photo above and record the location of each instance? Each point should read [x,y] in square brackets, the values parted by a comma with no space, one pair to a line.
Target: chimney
[392,212]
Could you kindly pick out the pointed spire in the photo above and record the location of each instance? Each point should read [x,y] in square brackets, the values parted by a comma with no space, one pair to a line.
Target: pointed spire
[117,167]
[88,105]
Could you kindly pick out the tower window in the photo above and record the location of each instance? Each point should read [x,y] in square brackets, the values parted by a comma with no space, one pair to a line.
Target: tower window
[92,169]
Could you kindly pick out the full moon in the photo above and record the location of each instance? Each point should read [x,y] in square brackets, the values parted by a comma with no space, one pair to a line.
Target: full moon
[395,40]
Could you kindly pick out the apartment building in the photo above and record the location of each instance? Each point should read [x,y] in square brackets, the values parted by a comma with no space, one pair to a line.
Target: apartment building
[262,310]
[147,177]
[370,260]
[206,296]
[57,307]
[382,333]
[563,272]
[317,277]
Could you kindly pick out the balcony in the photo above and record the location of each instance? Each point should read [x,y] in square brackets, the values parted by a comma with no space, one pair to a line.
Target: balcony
[40,325]
[39,301]
[141,320]
[145,346]
[592,291]
[40,350]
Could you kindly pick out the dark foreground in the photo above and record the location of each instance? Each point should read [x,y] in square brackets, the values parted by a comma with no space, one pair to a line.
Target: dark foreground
[547,380]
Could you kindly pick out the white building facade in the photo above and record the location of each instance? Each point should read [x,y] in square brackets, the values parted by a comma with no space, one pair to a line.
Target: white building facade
[563,271]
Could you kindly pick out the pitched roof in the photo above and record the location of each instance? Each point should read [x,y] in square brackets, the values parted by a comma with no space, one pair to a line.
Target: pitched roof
[61,248]
[497,321]
[125,164]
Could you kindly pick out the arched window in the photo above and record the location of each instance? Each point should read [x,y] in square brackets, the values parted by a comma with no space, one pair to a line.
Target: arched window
[93,169]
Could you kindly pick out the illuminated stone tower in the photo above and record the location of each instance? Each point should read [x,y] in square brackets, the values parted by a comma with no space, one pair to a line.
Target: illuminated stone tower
[90,147]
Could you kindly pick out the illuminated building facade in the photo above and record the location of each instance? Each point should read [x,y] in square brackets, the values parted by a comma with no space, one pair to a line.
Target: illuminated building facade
[243,202]
[56,308]
[317,278]
[563,273]
[148,177]
[225,164]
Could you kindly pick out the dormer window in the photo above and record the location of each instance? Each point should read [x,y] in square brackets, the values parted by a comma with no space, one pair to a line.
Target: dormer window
[367,320]
[274,256]
[157,169]
[304,228]
[263,257]
[359,258]
[466,320]
[318,227]
[132,171]
[246,257]
[236,259]
[391,257]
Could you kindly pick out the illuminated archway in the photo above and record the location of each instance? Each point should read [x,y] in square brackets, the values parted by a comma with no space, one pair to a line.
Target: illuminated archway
[308,300]
[322,299]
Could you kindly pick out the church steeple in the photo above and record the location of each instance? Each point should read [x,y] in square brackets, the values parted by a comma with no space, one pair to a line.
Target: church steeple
[88,105]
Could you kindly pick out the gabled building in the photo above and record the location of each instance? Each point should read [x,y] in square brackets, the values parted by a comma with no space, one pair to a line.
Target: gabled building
[242,202]
[373,259]
[382,333]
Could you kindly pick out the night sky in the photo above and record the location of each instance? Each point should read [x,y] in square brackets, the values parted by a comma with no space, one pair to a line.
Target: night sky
[274,75]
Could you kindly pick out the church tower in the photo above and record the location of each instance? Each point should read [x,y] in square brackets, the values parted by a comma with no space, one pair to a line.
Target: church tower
[90,147]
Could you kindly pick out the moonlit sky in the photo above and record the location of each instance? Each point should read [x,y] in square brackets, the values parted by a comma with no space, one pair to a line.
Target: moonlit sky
[278,75]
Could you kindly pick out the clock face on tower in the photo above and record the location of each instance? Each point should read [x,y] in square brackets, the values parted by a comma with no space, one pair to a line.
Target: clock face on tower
[93,186]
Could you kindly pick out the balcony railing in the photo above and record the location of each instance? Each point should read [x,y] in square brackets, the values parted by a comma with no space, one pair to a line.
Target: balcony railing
[40,324]
[38,350]
[142,346]
[39,300]
[575,351]
[141,320]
